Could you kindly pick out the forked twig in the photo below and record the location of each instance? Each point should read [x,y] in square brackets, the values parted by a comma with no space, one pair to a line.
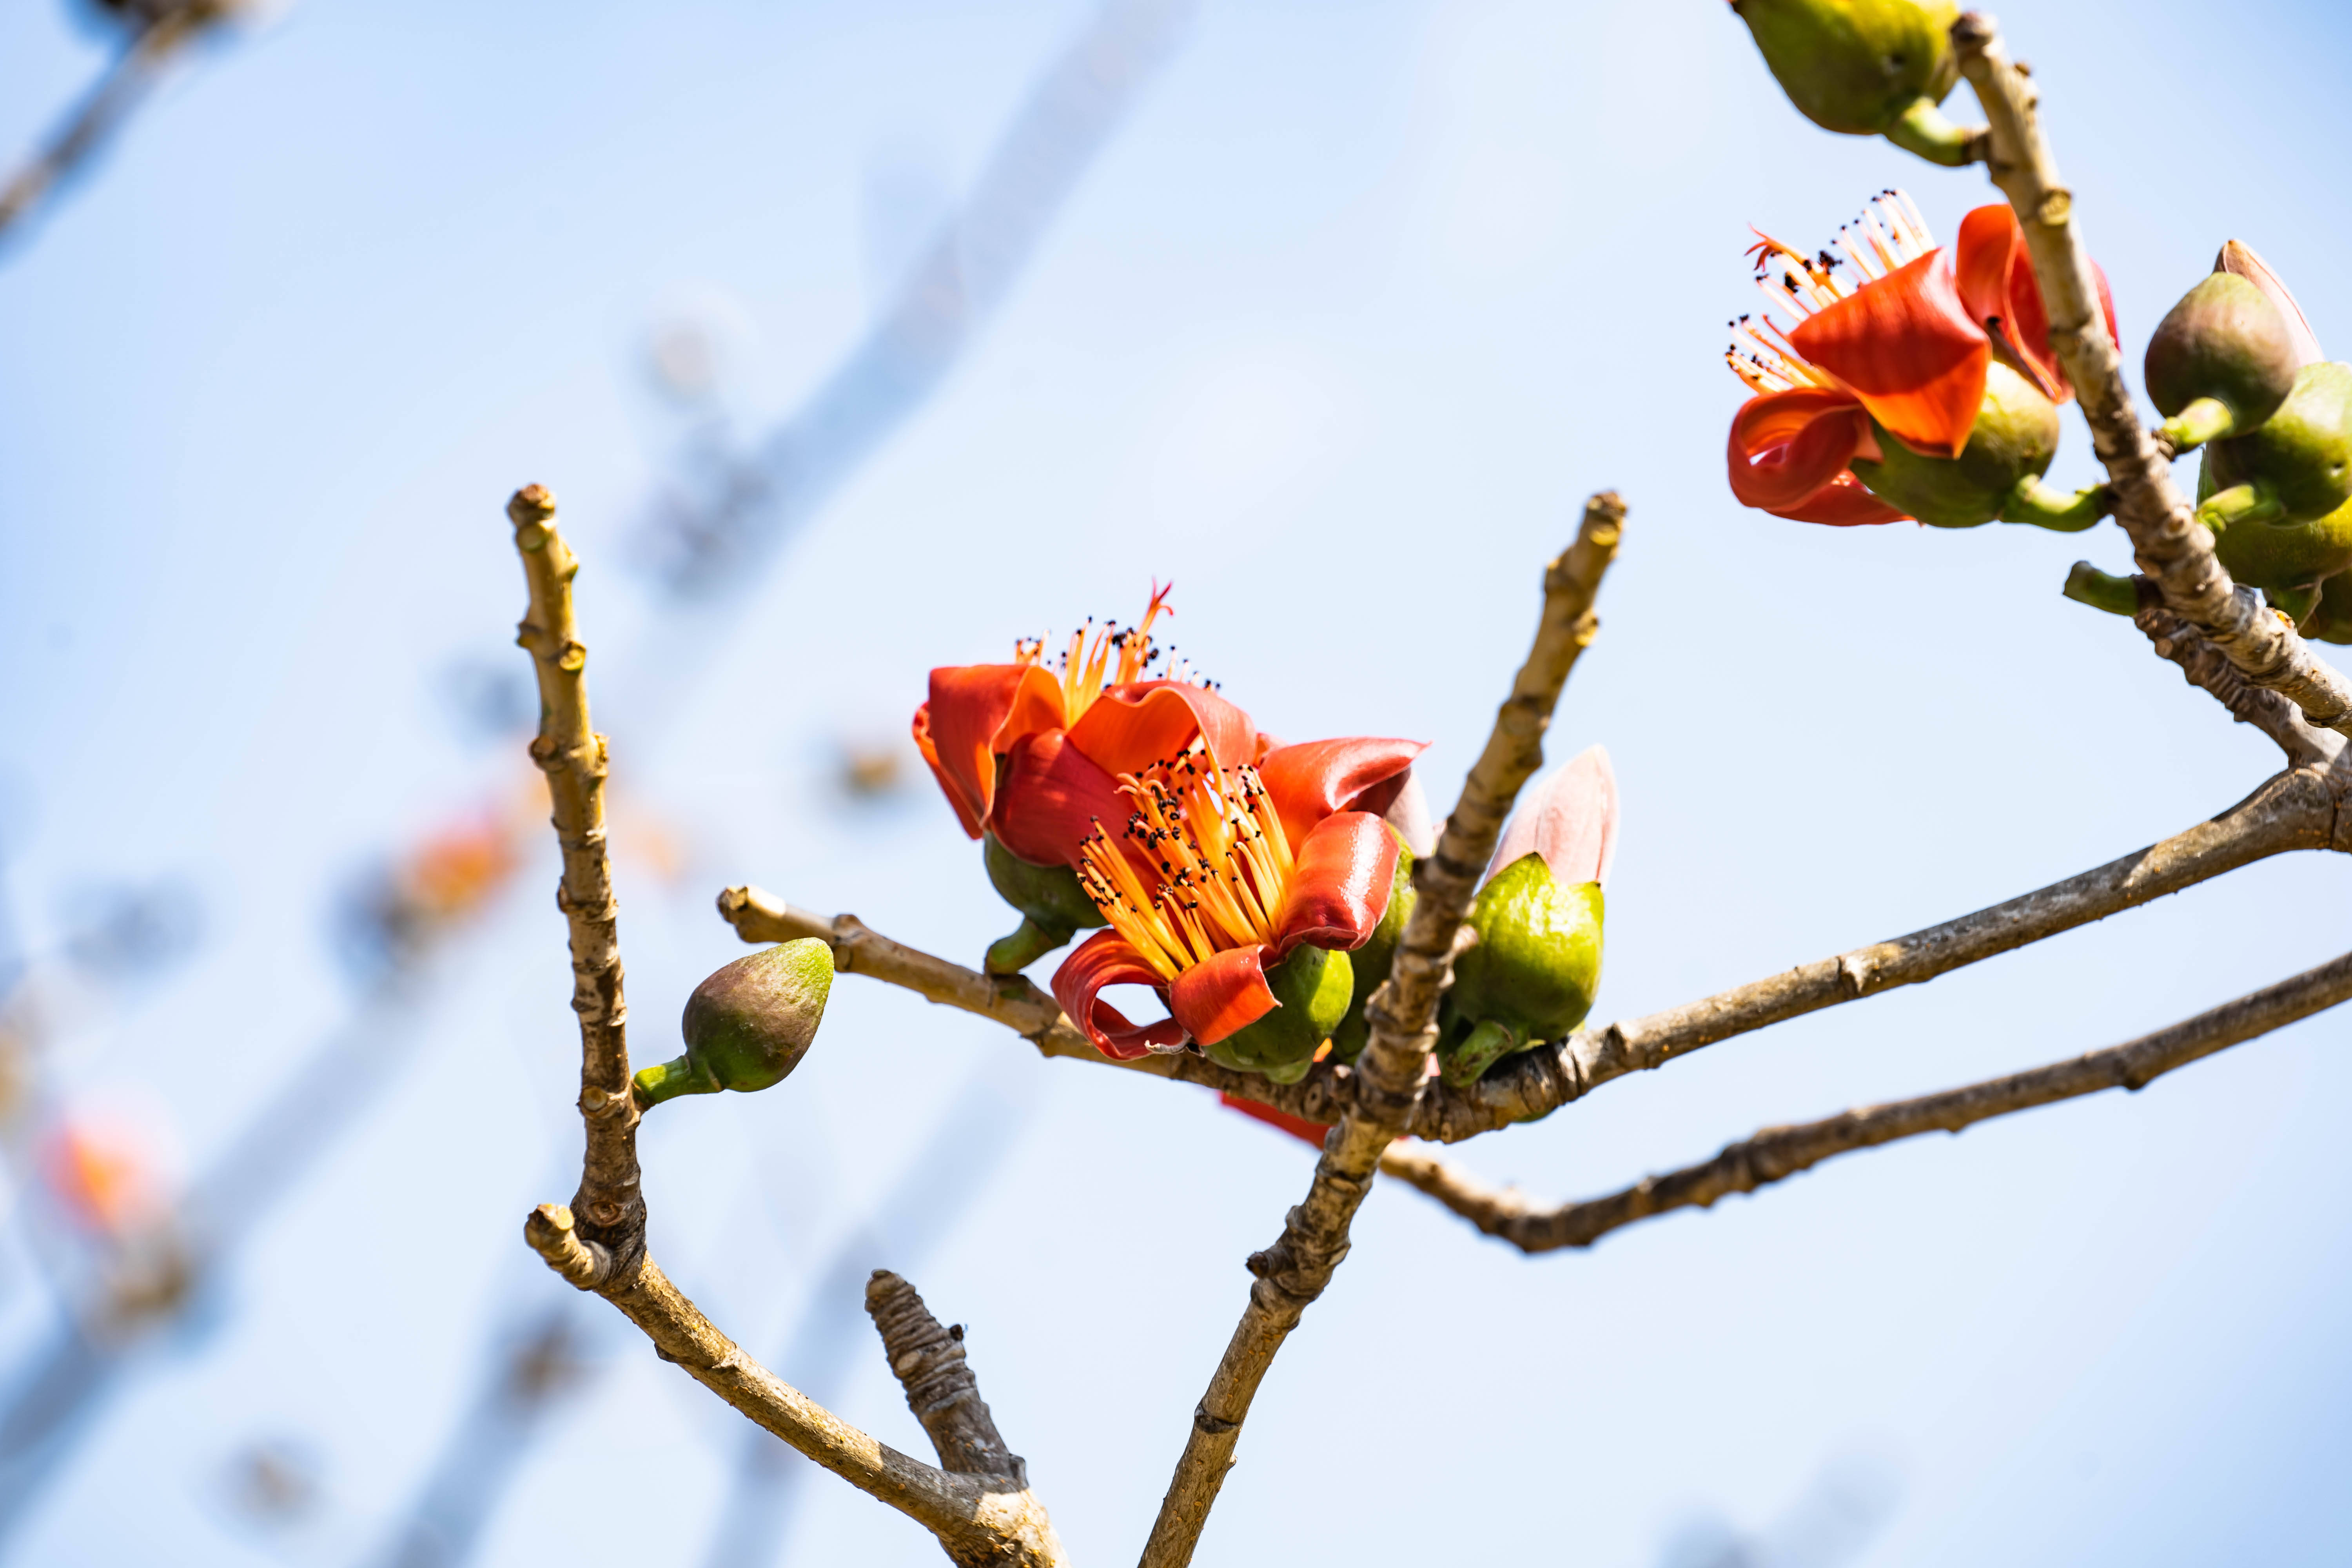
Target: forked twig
[980,1516]
[1779,1152]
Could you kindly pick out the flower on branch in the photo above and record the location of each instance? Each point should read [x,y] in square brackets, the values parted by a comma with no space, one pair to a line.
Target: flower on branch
[1237,892]
[1914,383]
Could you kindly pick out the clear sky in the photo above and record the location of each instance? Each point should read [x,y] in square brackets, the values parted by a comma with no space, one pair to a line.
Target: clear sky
[1337,332]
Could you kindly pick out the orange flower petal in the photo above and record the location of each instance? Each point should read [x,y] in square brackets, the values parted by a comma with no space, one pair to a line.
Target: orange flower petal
[1910,353]
[1103,960]
[1993,274]
[1223,997]
[1788,446]
[1844,502]
[1296,1126]
[975,712]
[1309,781]
[1051,797]
[1341,884]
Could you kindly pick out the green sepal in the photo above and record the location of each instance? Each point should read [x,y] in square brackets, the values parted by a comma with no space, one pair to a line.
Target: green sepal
[2014,439]
[1927,132]
[1311,989]
[748,1024]
[2032,501]
[2251,502]
[1053,907]
[2330,620]
[1856,67]
[1536,962]
[2301,457]
[2220,363]
[1371,961]
[2296,604]
[2086,584]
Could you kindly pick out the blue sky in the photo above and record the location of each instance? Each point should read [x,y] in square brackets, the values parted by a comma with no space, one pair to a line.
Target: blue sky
[1336,331]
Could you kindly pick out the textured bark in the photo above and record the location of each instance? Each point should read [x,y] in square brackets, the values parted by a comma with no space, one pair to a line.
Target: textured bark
[2172,548]
[599,1243]
[608,1207]
[2205,667]
[2302,809]
[1294,1271]
[1779,1152]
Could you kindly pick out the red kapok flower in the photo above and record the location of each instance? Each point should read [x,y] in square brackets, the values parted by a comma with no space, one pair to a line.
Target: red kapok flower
[1033,755]
[1221,872]
[1907,346]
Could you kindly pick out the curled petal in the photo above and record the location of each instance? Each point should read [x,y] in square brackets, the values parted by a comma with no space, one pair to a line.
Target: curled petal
[1789,446]
[1102,960]
[1908,348]
[2239,257]
[1993,273]
[1309,781]
[1128,727]
[1222,996]
[1050,797]
[1570,819]
[1844,502]
[1339,885]
[1296,1126]
[975,712]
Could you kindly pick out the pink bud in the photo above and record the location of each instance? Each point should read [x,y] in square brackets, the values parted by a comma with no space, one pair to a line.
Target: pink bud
[1570,819]
[2239,257]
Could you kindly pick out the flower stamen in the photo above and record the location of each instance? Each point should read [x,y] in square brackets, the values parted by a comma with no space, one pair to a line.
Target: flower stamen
[1889,235]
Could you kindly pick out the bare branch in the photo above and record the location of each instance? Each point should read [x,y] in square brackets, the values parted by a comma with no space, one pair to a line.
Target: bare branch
[117,92]
[2204,666]
[2298,810]
[1779,1152]
[988,1518]
[2171,545]
[1294,1271]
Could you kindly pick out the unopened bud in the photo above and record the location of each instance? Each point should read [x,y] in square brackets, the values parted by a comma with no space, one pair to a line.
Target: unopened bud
[2220,362]
[1533,971]
[748,1024]
[2298,463]
[1863,68]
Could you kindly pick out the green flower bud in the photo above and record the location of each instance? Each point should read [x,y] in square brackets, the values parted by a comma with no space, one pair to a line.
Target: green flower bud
[2220,362]
[2298,465]
[2331,619]
[1314,988]
[2014,439]
[1053,907]
[748,1024]
[1865,67]
[1533,971]
[1370,963]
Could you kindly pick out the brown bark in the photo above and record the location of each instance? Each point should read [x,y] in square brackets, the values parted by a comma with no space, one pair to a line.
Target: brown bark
[1294,1271]
[2172,547]
[991,1518]
[1779,1152]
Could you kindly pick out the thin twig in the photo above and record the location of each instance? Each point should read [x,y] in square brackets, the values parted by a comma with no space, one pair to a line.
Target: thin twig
[2296,810]
[2171,545]
[1777,1153]
[126,81]
[1295,1270]
[978,1518]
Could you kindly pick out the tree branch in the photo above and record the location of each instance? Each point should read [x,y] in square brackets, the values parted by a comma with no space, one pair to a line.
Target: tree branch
[2204,666]
[1294,1271]
[978,1518]
[2172,547]
[1779,1152]
[2296,810]
[119,91]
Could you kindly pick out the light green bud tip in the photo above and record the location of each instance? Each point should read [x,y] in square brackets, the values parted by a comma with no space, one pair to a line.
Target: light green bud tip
[748,1024]
[1863,68]
[1532,973]
[1313,987]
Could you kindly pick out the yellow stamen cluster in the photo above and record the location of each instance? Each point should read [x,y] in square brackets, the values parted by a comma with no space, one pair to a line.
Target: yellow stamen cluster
[1889,235]
[1104,656]
[1215,863]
